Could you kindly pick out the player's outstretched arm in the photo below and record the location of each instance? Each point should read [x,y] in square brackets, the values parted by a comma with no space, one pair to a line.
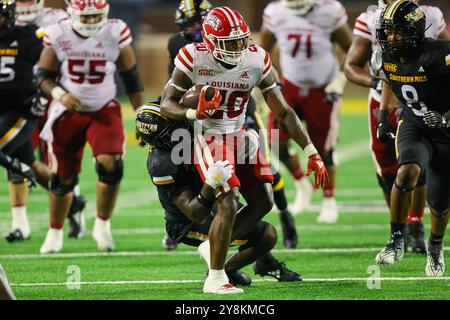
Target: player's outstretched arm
[198,207]
[46,79]
[128,71]
[289,119]
[356,60]
[174,90]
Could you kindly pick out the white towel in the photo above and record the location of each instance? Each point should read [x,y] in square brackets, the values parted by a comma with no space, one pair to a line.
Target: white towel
[55,111]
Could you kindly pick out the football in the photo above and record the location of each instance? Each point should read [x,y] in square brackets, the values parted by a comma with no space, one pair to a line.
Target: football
[190,98]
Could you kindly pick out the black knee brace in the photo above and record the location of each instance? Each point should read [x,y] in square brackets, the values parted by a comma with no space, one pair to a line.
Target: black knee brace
[403,189]
[328,160]
[110,178]
[15,178]
[60,189]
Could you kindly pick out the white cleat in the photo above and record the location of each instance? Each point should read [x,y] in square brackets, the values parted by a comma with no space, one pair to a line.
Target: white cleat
[304,192]
[329,211]
[220,286]
[205,252]
[392,252]
[435,262]
[53,242]
[102,235]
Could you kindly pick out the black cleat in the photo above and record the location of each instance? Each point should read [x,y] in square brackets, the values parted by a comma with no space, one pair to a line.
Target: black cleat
[290,238]
[276,269]
[15,236]
[239,278]
[77,223]
[415,238]
[168,243]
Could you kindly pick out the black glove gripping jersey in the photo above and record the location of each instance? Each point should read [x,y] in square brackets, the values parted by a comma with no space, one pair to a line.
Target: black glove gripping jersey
[20,49]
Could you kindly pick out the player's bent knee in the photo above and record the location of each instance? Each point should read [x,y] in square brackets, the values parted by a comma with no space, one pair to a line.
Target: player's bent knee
[407,176]
[438,213]
[110,177]
[61,188]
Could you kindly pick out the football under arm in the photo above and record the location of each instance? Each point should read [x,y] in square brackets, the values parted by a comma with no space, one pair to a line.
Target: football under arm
[174,90]
[357,57]
[281,109]
[127,66]
[196,207]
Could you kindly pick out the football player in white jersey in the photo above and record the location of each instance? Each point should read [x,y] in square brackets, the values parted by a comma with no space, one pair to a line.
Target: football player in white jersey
[306,31]
[226,61]
[384,153]
[34,12]
[85,51]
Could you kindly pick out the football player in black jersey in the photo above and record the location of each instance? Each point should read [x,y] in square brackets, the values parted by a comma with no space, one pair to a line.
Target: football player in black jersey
[188,203]
[188,18]
[417,73]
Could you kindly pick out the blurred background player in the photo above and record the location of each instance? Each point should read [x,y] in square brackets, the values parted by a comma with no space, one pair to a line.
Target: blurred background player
[83,52]
[417,70]
[188,202]
[312,84]
[5,290]
[32,12]
[234,68]
[383,152]
[188,18]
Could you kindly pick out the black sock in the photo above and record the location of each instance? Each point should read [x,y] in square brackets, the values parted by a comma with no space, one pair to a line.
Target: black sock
[436,240]
[397,230]
[278,193]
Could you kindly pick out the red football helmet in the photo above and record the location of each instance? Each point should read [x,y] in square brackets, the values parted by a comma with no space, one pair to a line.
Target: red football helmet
[226,35]
[78,8]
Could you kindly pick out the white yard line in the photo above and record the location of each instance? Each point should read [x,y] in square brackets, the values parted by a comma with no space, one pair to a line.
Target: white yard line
[179,252]
[73,284]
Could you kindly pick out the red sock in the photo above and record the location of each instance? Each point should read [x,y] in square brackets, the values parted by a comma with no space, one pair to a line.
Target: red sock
[328,191]
[58,226]
[415,217]
[297,173]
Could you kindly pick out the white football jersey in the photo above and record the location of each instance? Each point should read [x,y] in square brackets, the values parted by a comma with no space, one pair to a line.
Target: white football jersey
[88,64]
[235,84]
[306,51]
[365,27]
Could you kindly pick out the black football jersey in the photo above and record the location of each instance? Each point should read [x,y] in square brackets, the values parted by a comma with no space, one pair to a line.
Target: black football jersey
[171,180]
[20,49]
[424,82]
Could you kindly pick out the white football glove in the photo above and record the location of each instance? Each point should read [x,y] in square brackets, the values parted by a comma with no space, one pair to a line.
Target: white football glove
[250,145]
[335,88]
[218,174]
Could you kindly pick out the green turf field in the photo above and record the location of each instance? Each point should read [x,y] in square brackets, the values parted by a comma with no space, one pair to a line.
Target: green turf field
[336,261]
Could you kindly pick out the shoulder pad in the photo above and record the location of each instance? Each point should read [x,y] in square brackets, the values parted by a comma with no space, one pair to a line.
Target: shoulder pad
[160,167]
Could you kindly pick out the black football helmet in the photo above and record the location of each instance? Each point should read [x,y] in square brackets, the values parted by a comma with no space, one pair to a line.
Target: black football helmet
[156,130]
[408,20]
[189,17]
[7,15]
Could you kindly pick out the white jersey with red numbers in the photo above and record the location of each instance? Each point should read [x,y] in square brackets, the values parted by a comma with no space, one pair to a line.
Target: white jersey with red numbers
[88,64]
[306,51]
[365,27]
[235,84]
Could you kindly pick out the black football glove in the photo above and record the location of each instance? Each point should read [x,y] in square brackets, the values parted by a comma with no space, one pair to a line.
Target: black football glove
[377,84]
[384,133]
[25,171]
[434,119]
[39,105]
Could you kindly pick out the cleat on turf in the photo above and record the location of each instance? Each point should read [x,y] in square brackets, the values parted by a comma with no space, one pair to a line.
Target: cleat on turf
[290,238]
[415,238]
[77,221]
[15,236]
[275,269]
[168,243]
[435,261]
[303,196]
[220,287]
[53,242]
[392,252]
[239,278]
[328,211]
[102,235]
